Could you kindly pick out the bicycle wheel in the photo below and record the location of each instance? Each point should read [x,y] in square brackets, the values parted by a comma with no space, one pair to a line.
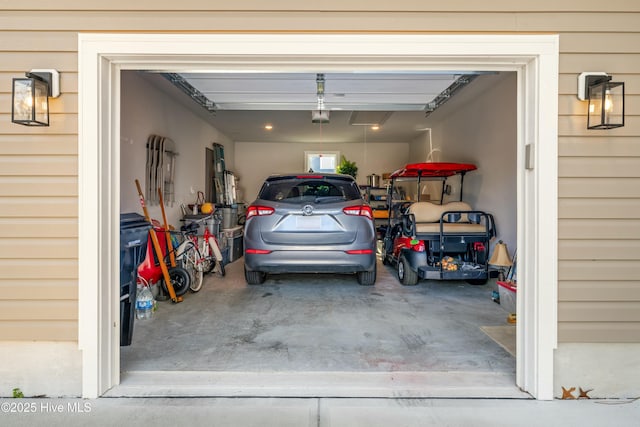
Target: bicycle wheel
[194,267]
[216,256]
[188,257]
[208,261]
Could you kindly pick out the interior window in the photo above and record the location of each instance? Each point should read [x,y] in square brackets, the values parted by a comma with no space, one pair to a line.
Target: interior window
[323,162]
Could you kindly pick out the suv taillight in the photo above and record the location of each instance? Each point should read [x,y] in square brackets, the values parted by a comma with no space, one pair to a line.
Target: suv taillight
[360,210]
[259,211]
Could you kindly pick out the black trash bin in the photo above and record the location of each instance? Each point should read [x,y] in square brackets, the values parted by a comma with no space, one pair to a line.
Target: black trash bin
[134,234]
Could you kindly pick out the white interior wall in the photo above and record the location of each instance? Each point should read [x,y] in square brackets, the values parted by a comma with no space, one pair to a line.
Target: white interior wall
[257,160]
[479,125]
[146,110]
[419,148]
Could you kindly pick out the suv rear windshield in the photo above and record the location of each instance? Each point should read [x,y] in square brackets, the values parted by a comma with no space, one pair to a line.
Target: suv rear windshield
[298,190]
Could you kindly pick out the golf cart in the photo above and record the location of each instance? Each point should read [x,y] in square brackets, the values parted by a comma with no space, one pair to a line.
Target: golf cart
[432,233]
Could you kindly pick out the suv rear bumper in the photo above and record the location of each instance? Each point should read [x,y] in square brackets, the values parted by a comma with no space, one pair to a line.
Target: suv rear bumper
[310,261]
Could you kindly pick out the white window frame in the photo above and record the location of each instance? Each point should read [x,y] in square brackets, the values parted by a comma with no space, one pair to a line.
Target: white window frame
[103,56]
[307,165]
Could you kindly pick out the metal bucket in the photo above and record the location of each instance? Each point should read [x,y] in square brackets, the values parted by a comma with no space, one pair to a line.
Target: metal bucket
[373,180]
[229,217]
[213,225]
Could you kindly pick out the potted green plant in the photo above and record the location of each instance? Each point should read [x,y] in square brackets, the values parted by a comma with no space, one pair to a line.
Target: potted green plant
[346,167]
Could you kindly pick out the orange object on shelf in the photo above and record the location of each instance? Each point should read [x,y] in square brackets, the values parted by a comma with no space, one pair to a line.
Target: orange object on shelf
[379,213]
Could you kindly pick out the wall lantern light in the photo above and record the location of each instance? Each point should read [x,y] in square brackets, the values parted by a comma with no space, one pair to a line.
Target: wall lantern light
[30,97]
[606,100]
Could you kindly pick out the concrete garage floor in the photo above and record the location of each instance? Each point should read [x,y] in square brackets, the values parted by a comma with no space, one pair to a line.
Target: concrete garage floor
[304,328]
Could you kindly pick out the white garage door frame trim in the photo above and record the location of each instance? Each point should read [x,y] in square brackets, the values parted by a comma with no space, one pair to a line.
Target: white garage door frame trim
[103,56]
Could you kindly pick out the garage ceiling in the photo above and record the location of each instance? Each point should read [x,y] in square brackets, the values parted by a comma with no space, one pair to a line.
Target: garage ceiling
[240,104]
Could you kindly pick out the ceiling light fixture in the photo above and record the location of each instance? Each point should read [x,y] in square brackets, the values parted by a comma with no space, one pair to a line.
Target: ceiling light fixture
[268,126]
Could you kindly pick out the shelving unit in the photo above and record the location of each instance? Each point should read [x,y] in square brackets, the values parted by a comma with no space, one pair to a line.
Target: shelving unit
[377,199]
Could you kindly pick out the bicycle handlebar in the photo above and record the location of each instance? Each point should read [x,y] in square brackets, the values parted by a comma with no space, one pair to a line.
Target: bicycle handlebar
[198,220]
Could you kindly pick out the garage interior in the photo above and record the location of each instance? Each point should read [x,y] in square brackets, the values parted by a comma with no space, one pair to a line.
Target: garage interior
[327,323]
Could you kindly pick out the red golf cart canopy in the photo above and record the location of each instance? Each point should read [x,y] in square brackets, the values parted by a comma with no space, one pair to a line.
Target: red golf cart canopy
[433,169]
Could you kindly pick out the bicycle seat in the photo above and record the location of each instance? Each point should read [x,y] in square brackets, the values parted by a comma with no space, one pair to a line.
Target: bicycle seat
[190,228]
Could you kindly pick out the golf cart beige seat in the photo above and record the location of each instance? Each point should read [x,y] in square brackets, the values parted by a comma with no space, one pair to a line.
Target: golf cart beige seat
[428,215]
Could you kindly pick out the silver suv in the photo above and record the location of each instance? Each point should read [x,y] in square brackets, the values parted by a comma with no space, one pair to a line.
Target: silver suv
[309,223]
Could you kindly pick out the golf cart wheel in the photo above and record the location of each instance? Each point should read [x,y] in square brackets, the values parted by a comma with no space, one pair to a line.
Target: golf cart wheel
[477,282]
[385,254]
[254,277]
[180,280]
[406,275]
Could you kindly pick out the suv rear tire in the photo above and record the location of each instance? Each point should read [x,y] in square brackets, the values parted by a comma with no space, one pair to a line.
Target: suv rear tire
[367,278]
[254,277]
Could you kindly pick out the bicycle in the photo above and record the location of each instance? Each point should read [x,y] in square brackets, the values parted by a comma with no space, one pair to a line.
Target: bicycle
[190,258]
[208,255]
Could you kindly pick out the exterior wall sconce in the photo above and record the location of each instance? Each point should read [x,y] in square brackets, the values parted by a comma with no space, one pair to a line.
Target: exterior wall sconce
[30,97]
[606,100]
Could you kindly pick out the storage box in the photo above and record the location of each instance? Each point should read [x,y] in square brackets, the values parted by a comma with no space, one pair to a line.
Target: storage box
[225,255]
[235,248]
[230,233]
[507,296]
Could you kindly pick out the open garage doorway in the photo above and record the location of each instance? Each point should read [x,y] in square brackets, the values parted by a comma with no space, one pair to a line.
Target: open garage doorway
[327,323]
[102,57]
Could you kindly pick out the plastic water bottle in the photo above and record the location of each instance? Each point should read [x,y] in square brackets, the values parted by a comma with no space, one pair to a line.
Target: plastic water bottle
[144,303]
